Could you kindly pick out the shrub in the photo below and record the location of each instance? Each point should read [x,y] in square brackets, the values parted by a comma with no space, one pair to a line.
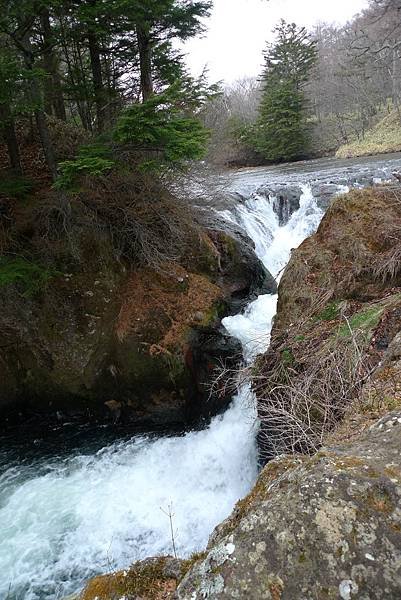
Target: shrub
[30,276]
[91,160]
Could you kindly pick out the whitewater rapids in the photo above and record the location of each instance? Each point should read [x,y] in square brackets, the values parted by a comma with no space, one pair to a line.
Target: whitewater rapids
[66,518]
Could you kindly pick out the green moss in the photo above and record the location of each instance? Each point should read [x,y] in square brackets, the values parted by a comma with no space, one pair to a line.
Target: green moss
[365,320]
[216,312]
[287,357]
[142,580]
[29,276]
[329,313]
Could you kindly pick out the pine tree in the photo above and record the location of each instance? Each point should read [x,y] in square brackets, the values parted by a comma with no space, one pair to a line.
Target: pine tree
[157,23]
[282,132]
[9,73]
[86,61]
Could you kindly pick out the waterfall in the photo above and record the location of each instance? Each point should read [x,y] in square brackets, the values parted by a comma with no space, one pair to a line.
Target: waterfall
[66,518]
[259,219]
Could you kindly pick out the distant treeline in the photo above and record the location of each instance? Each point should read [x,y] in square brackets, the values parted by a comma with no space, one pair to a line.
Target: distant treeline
[354,82]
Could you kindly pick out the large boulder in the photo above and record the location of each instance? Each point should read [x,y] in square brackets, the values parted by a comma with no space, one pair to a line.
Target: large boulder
[353,255]
[140,345]
[321,527]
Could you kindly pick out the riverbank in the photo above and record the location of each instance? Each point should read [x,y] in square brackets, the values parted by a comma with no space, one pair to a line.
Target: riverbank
[383,138]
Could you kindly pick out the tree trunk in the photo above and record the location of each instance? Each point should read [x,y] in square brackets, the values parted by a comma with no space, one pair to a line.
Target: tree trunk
[145,61]
[53,91]
[40,116]
[10,137]
[98,87]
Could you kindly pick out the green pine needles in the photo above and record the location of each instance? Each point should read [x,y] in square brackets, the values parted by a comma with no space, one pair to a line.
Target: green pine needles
[92,160]
[281,132]
[163,130]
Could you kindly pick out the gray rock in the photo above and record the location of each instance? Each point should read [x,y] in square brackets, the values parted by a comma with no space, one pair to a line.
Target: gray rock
[325,192]
[242,273]
[313,528]
[285,199]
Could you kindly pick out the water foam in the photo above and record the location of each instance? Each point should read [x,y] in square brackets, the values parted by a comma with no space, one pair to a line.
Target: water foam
[259,220]
[63,520]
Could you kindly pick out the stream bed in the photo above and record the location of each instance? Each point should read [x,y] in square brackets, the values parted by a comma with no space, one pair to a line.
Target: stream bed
[71,510]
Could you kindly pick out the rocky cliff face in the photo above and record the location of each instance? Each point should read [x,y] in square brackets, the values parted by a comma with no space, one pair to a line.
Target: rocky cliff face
[323,527]
[139,345]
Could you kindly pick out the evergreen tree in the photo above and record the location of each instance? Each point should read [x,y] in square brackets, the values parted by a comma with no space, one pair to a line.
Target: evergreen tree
[85,61]
[9,75]
[282,132]
[157,23]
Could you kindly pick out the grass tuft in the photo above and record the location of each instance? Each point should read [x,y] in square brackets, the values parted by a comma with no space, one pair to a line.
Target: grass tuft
[28,276]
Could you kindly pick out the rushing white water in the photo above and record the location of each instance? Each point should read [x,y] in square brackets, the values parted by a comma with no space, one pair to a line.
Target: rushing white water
[65,519]
[273,245]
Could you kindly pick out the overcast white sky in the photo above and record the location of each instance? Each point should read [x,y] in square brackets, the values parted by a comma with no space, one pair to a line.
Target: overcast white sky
[238,31]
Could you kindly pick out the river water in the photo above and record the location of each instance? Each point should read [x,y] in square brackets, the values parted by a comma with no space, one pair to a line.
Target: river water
[69,511]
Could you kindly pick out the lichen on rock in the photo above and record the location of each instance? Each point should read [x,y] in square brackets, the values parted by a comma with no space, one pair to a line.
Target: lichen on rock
[327,527]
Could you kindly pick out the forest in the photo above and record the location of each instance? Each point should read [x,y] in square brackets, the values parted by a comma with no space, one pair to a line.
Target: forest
[84,62]
[113,72]
[350,96]
[182,338]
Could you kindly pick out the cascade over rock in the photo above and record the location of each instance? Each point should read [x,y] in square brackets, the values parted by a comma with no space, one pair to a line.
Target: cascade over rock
[326,525]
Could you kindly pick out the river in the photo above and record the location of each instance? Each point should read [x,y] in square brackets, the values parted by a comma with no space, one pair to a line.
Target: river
[82,502]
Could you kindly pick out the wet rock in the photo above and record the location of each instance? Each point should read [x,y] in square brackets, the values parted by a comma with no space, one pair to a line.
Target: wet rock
[325,192]
[322,527]
[240,273]
[285,199]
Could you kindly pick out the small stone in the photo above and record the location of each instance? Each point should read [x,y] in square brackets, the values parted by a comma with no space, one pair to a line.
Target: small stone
[347,588]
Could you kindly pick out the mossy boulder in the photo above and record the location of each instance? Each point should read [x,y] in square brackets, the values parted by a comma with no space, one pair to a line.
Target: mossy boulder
[322,527]
[118,343]
[353,255]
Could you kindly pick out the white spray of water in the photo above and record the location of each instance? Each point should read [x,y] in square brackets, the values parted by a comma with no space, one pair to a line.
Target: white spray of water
[65,520]
[94,513]
[261,223]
